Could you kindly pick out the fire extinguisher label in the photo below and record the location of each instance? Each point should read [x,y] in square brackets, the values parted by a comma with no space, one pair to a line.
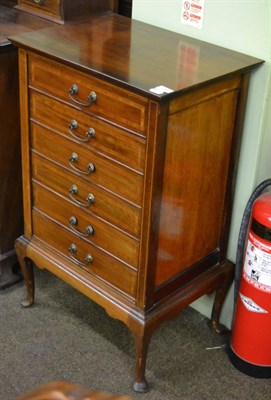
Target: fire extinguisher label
[251,305]
[257,265]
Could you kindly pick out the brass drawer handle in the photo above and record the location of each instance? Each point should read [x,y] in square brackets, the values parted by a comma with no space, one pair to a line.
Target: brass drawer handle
[74,221]
[40,2]
[74,159]
[92,97]
[89,134]
[88,259]
[74,190]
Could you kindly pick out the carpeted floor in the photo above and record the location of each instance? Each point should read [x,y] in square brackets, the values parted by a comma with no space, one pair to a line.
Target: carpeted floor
[65,336]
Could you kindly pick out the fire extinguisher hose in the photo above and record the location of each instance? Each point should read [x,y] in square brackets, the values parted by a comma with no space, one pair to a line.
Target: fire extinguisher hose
[243,234]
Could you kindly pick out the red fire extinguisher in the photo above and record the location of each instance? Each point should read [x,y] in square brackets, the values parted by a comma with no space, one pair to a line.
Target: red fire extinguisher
[250,346]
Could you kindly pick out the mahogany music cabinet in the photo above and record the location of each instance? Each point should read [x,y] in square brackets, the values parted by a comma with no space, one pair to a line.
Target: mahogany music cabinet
[130,140]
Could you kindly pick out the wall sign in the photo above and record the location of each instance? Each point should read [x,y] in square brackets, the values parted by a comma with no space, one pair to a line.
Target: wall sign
[192,13]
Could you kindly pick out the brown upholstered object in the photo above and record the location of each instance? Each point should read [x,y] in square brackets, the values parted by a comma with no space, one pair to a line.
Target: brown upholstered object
[67,391]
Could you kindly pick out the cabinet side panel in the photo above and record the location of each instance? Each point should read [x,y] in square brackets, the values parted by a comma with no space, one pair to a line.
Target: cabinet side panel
[195,178]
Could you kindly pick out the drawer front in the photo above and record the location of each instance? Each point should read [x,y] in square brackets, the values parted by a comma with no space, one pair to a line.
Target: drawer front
[88,164]
[114,104]
[79,252]
[47,7]
[87,226]
[109,207]
[89,131]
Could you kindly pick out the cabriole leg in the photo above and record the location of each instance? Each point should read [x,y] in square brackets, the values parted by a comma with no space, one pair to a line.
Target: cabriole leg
[142,341]
[27,271]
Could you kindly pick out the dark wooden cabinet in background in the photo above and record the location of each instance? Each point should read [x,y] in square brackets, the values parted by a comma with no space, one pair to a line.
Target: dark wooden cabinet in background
[61,11]
[11,207]
[125,7]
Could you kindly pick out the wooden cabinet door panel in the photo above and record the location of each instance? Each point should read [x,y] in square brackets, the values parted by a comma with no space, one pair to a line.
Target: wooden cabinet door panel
[86,225]
[103,266]
[112,208]
[114,104]
[106,173]
[75,124]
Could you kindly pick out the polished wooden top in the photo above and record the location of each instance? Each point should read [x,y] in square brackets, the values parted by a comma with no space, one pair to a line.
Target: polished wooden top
[136,55]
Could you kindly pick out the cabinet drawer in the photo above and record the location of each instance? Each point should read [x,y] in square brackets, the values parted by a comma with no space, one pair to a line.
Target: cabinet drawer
[109,207]
[102,265]
[88,164]
[87,226]
[112,103]
[105,138]
[50,8]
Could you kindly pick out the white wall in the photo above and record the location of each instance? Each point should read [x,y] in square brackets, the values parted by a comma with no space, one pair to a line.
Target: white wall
[244,26]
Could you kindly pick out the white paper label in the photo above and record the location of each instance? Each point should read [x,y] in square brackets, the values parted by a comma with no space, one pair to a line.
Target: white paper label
[161,89]
[257,264]
[192,13]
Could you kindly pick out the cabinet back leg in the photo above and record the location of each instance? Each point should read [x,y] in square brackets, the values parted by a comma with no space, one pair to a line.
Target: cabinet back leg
[220,297]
